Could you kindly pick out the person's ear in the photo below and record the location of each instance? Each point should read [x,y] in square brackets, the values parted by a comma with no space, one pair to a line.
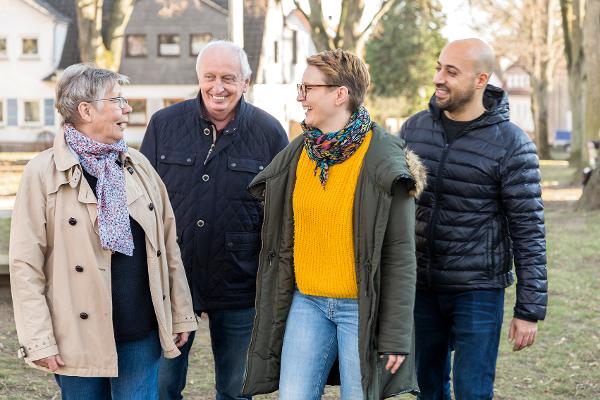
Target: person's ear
[245,86]
[84,109]
[342,96]
[482,80]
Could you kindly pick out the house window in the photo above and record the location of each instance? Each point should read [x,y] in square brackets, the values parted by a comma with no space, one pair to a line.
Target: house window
[31,112]
[168,45]
[275,52]
[136,46]
[170,102]
[2,113]
[29,46]
[3,51]
[198,41]
[137,116]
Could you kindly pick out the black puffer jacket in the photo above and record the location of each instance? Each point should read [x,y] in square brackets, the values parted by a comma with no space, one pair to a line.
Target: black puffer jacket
[218,222]
[482,207]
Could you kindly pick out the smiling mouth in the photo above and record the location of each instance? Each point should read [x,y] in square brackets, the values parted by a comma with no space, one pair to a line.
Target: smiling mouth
[218,97]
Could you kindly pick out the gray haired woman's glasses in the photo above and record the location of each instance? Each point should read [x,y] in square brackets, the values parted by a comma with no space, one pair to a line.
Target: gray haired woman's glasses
[121,101]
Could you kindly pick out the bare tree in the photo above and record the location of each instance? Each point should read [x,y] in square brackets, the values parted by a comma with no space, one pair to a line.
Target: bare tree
[590,198]
[572,27]
[348,34]
[101,43]
[528,33]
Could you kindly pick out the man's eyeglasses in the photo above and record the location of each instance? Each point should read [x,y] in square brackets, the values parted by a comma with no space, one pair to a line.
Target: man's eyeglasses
[121,101]
[302,88]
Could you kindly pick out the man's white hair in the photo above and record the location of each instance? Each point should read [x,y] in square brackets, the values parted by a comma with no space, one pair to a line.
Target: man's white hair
[244,66]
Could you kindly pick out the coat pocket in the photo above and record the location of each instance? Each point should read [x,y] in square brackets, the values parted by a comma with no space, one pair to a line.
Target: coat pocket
[243,249]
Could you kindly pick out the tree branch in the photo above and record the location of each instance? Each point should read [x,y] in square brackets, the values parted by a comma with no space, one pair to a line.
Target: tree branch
[385,7]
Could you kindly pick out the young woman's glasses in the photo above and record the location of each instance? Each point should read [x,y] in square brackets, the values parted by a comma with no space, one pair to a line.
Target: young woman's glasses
[302,88]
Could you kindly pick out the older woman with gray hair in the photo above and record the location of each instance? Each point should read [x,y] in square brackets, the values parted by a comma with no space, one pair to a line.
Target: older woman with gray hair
[98,286]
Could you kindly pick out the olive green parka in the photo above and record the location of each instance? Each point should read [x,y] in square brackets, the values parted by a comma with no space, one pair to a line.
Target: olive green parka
[383,234]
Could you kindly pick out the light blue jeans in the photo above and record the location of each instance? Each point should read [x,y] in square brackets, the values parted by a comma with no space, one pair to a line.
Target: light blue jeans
[318,330]
[137,380]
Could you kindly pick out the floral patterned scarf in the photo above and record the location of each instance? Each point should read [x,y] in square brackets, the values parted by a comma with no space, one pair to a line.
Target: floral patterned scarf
[327,149]
[99,160]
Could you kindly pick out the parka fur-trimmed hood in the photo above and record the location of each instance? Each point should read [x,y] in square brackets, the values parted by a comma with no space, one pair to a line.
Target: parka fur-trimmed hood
[418,171]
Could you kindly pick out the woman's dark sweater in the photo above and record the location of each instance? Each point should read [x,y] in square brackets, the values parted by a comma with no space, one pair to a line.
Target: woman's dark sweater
[133,312]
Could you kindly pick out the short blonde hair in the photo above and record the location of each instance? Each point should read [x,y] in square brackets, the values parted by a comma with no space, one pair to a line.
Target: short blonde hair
[344,69]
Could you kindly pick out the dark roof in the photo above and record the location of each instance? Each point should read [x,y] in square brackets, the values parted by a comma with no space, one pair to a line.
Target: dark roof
[254,26]
[48,7]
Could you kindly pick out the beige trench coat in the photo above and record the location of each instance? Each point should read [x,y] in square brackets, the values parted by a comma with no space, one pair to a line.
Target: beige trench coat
[60,276]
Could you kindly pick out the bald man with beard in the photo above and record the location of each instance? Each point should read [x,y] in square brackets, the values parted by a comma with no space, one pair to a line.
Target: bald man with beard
[481,212]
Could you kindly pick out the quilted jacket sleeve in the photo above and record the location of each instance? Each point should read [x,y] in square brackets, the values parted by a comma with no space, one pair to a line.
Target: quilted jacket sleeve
[522,201]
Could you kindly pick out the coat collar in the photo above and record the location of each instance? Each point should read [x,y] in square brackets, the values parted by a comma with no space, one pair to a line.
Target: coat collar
[65,159]
[381,164]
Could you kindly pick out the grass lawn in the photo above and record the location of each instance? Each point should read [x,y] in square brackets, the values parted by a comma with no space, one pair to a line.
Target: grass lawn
[564,363]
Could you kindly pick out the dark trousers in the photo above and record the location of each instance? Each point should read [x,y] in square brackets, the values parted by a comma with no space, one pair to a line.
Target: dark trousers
[230,332]
[468,323]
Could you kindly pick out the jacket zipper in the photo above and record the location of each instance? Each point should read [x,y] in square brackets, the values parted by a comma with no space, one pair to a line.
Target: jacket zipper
[212,146]
[436,208]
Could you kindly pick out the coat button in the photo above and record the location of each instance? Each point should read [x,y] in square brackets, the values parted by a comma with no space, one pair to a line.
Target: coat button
[72,221]
[189,160]
[158,253]
[200,223]
[83,315]
[130,170]
[260,167]
[233,165]
[78,268]
[162,157]
[151,206]
[205,178]
[230,244]
[164,296]
[206,131]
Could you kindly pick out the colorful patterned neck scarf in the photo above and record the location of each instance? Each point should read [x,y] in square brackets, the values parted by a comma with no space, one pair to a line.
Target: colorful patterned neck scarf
[99,160]
[327,149]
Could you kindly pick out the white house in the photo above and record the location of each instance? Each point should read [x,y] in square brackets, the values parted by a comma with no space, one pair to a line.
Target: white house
[32,35]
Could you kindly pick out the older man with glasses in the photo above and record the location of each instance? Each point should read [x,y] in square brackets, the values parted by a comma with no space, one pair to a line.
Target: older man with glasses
[207,150]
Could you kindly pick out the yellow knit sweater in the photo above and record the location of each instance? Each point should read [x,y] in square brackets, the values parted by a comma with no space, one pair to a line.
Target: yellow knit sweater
[323,239]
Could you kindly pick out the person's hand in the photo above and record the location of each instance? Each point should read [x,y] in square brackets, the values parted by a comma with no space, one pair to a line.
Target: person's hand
[52,362]
[393,362]
[181,338]
[521,333]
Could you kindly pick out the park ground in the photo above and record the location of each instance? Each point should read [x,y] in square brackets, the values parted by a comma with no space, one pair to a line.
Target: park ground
[564,363]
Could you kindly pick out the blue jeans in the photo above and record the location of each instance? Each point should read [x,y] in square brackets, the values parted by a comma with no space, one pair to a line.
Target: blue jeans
[137,380]
[230,332]
[318,330]
[468,323]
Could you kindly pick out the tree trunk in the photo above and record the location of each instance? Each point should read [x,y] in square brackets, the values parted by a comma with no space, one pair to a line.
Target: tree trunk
[576,101]
[539,106]
[591,33]
[105,51]
[590,198]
